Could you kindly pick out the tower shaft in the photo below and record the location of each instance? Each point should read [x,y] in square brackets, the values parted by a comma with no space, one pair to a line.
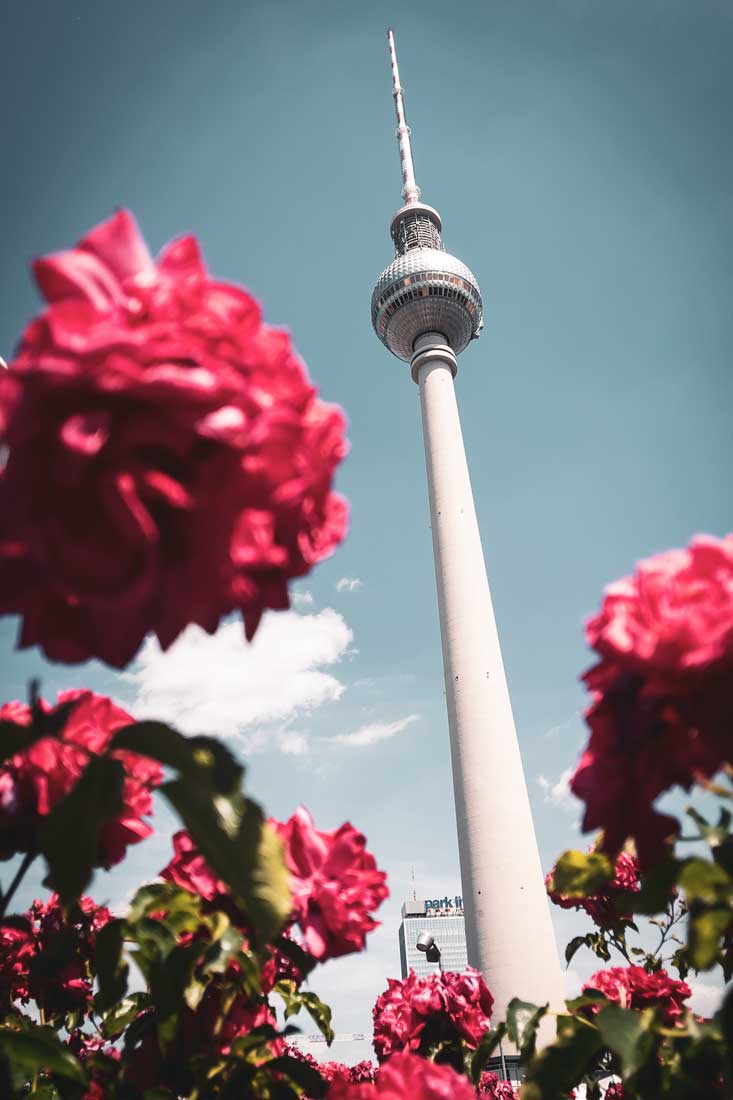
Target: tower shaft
[509,932]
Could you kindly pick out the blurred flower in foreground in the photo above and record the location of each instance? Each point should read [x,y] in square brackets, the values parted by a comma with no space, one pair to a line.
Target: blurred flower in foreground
[32,782]
[407,1075]
[662,710]
[168,461]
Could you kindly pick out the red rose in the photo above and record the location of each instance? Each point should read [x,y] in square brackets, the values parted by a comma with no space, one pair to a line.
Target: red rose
[632,987]
[169,461]
[606,907]
[34,781]
[662,709]
[335,885]
[406,1076]
[456,1007]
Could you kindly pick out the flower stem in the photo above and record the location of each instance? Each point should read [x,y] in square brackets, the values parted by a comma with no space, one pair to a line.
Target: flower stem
[17,879]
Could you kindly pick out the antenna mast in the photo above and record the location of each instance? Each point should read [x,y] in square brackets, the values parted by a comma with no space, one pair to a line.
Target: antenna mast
[410,190]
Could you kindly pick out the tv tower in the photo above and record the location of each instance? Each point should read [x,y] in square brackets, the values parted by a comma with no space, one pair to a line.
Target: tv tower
[426,308]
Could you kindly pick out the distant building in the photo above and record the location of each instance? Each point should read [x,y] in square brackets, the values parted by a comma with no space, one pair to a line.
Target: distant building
[443,919]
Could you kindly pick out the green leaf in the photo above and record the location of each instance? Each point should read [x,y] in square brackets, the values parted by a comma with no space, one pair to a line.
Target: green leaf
[122,1014]
[575,944]
[241,847]
[112,970]
[704,881]
[656,888]
[302,1073]
[629,1034]
[724,1018]
[485,1050]
[37,1049]
[15,738]
[69,835]
[581,874]
[522,1022]
[203,759]
[319,1012]
[558,1068]
[706,929]
[714,834]
[293,951]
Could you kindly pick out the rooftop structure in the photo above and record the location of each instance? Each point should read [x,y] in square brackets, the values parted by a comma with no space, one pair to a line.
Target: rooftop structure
[443,919]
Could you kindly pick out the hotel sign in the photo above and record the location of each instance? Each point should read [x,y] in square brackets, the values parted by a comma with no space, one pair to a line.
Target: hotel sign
[444,907]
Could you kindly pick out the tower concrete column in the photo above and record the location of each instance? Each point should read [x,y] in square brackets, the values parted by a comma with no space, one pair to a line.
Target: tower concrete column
[509,931]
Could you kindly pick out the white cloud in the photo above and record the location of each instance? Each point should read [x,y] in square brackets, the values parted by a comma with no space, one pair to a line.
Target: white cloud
[706,998]
[222,685]
[302,599]
[348,584]
[559,793]
[371,734]
[294,743]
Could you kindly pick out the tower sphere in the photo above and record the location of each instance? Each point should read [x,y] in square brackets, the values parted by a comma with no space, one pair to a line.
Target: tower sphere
[426,290]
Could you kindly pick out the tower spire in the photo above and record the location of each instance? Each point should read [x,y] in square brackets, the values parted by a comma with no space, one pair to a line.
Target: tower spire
[410,190]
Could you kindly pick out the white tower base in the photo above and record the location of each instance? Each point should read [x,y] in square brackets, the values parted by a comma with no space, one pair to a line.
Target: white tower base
[509,931]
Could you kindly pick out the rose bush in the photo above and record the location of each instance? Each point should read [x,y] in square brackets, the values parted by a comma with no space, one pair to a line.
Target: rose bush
[662,709]
[416,1013]
[167,463]
[168,459]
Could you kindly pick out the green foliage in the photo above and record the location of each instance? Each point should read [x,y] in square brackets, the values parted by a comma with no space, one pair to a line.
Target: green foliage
[198,759]
[522,1021]
[558,1068]
[632,1036]
[294,1000]
[69,835]
[229,829]
[485,1050]
[581,874]
[241,847]
[32,1050]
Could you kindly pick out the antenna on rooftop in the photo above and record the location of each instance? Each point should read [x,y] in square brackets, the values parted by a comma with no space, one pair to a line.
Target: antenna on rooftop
[414,895]
[410,190]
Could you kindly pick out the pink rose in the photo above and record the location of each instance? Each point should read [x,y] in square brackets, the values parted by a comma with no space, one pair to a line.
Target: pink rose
[443,1007]
[34,781]
[406,1076]
[168,459]
[335,883]
[632,987]
[662,700]
[607,906]
[491,1088]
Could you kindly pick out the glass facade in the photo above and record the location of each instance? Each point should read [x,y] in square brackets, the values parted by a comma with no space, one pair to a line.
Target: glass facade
[447,928]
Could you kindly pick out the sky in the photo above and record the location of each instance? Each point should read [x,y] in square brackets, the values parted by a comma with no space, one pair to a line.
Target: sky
[579,153]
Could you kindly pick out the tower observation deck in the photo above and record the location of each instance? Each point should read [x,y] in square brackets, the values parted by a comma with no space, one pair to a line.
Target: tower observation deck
[426,309]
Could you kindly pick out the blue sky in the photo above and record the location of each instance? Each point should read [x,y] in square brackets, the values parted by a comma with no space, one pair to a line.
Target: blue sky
[579,153]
